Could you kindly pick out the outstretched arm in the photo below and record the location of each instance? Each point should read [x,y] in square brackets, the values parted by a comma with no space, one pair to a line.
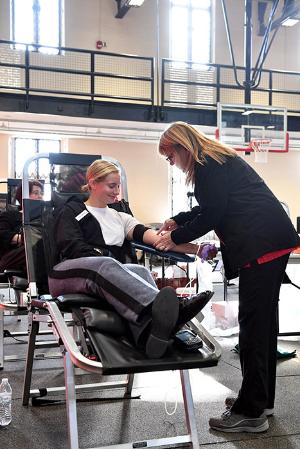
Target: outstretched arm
[150,237]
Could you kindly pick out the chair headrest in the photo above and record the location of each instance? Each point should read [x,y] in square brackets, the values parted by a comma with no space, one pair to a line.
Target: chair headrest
[59,198]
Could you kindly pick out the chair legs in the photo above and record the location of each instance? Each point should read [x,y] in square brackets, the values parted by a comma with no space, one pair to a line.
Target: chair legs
[191,438]
[189,408]
[33,331]
[71,402]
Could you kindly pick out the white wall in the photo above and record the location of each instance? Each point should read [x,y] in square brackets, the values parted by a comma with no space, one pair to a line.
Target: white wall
[282,175]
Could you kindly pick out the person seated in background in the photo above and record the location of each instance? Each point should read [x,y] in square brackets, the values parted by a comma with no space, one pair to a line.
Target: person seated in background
[91,243]
[12,251]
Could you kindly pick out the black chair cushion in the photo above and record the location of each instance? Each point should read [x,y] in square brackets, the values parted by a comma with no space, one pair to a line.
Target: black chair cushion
[105,321]
[73,300]
[120,356]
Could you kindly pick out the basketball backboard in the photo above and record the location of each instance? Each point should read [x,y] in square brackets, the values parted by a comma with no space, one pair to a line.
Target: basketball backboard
[239,124]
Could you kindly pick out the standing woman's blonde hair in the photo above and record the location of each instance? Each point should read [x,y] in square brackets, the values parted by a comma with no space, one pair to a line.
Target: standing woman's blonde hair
[98,171]
[182,135]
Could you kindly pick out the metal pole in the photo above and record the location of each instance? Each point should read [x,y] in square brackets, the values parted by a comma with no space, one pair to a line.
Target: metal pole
[248,50]
[157,55]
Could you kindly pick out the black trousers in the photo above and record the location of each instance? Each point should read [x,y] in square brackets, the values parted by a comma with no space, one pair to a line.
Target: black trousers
[259,287]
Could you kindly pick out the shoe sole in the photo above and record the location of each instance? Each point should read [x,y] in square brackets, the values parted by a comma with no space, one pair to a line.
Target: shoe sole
[258,429]
[165,311]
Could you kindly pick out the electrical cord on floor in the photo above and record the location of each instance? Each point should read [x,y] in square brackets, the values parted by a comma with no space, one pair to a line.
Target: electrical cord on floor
[172,412]
[6,333]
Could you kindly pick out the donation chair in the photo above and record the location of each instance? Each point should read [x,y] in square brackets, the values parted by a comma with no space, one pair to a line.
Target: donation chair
[100,342]
[13,282]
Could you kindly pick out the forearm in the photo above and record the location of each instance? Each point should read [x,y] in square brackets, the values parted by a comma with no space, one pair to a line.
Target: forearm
[150,238]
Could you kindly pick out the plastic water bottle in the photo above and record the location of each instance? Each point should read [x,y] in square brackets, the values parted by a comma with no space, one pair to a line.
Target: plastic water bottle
[5,402]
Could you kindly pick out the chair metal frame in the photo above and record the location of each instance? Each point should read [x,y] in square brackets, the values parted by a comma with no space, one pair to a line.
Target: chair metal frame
[43,310]
[74,358]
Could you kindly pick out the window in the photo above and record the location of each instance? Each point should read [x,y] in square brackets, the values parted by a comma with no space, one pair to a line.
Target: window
[190,30]
[25,148]
[37,22]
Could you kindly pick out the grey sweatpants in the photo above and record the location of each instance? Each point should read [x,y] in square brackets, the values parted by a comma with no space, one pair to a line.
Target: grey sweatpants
[129,288]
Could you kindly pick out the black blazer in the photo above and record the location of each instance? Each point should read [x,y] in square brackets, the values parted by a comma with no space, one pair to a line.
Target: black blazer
[236,203]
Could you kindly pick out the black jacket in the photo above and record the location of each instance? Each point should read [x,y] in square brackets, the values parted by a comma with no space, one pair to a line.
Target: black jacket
[10,224]
[82,237]
[236,203]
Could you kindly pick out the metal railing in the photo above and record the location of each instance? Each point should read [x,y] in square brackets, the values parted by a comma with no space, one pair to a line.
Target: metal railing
[75,73]
[96,75]
[196,85]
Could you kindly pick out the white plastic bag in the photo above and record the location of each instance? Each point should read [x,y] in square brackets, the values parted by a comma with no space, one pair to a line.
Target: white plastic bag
[204,274]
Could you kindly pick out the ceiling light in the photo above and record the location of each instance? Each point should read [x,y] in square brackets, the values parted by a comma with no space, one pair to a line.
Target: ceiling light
[289,22]
[135,2]
[125,5]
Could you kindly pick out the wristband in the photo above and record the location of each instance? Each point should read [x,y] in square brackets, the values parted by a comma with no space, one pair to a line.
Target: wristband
[138,232]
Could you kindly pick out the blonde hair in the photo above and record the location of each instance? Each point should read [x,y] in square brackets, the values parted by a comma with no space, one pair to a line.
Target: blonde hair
[98,171]
[182,135]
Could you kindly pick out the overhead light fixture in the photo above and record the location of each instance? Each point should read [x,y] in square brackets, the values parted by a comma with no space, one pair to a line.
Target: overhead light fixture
[257,111]
[135,2]
[289,22]
[125,5]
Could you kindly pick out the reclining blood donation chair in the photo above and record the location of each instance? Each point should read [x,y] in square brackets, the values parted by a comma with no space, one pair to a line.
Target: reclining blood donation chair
[12,281]
[99,342]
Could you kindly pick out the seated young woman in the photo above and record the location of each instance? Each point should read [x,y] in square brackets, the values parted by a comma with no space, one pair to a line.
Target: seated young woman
[12,250]
[91,241]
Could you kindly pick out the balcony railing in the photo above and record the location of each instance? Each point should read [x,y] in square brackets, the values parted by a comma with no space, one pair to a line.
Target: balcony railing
[100,76]
[74,73]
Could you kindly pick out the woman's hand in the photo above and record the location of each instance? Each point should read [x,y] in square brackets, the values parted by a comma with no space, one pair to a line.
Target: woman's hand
[169,225]
[164,242]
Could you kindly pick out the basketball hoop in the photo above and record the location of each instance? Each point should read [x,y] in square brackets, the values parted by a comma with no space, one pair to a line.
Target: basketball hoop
[261,149]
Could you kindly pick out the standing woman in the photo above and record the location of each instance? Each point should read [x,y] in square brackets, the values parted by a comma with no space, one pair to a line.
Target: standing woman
[256,238]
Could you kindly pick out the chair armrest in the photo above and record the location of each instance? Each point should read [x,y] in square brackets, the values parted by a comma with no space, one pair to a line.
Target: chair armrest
[12,272]
[173,255]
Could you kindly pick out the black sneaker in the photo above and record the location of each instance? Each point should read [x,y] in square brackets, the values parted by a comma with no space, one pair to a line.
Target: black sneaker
[233,423]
